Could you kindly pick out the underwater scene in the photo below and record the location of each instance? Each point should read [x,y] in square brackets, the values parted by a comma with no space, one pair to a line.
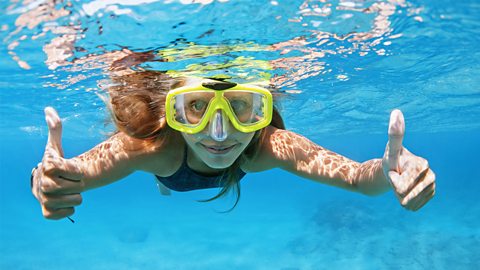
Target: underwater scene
[337,70]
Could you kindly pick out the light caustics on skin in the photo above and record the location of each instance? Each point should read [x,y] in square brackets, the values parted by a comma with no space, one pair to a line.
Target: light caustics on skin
[331,168]
[105,154]
[101,157]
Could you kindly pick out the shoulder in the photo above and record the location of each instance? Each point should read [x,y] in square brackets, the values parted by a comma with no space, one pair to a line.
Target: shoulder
[161,156]
[277,147]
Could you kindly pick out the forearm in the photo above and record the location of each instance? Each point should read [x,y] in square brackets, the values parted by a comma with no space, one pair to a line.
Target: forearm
[299,155]
[105,163]
[369,178]
[366,178]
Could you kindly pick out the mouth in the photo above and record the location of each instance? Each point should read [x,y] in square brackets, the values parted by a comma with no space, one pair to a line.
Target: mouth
[218,149]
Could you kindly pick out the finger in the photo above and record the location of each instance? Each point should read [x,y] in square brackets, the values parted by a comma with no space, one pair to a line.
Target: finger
[417,177]
[396,183]
[428,180]
[426,198]
[417,200]
[66,169]
[422,198]
[62,201]
[396,131]
[54,143]
[57,185]
[54,163]
[34,179]
[57,213]
[405,182]
[427,194]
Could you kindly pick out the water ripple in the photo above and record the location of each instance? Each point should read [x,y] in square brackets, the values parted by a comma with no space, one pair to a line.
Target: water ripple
[343,62]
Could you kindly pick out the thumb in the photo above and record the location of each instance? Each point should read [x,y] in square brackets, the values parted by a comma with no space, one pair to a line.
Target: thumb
[54,143]
[396,131]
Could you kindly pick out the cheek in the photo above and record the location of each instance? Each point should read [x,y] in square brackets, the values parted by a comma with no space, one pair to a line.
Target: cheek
[245,138]
[190,139]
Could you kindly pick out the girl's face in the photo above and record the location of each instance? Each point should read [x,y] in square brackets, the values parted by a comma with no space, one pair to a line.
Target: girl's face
[215,154]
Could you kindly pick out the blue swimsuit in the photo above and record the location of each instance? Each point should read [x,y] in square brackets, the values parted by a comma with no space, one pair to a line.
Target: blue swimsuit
[185,179]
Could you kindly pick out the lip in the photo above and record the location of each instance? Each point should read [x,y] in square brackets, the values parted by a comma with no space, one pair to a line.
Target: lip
[218,149]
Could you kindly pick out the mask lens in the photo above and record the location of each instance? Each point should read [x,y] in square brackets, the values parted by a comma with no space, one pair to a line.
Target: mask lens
[190,108]
[247,106]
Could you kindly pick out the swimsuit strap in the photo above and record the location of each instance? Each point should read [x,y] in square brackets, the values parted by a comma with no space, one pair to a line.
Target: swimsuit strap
[186,179]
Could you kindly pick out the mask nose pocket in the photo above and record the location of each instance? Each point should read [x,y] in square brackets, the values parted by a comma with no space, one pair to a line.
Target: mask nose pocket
[218,126]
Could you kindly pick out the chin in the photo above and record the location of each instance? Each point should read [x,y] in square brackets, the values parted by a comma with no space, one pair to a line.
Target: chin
[219,162]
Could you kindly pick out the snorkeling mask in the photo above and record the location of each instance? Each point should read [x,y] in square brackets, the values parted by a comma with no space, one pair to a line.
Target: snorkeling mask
[191,108]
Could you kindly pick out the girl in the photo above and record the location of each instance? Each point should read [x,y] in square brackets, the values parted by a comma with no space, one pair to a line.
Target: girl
[196,133]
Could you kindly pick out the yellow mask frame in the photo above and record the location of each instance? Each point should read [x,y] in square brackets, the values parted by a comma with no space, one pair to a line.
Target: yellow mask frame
[219,102]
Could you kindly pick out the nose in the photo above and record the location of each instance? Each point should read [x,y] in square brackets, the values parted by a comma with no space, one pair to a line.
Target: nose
[218,126]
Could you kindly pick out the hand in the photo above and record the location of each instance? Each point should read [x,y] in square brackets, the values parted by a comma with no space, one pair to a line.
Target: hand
[411,178]
[56,181]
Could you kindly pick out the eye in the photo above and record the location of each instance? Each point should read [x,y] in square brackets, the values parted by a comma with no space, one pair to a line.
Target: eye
[239,105]
[198,105]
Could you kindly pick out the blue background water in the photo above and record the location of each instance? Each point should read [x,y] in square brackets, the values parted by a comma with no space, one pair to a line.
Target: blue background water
[282,221]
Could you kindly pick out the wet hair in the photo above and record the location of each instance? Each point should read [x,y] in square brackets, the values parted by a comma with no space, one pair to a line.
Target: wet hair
[137,105]
[137,102]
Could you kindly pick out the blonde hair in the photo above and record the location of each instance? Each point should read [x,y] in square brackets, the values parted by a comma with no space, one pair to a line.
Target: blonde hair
[137,105]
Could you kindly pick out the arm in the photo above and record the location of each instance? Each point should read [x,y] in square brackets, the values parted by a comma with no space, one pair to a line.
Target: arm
[109,161]
[57,182]
[297,154]
[410,176]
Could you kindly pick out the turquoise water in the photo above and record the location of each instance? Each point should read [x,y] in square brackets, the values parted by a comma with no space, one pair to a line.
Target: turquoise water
[346,66]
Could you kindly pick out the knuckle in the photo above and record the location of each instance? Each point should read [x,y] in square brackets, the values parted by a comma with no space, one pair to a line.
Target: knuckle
[45,201]
[40,171]
[48,203]
[47,213]
[424,163]
[48,165]
[42,199]
[51,163]
[46,187]
[401,190]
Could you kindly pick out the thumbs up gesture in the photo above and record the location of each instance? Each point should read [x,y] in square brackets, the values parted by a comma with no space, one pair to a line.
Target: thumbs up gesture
[56,182]
[410,176]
